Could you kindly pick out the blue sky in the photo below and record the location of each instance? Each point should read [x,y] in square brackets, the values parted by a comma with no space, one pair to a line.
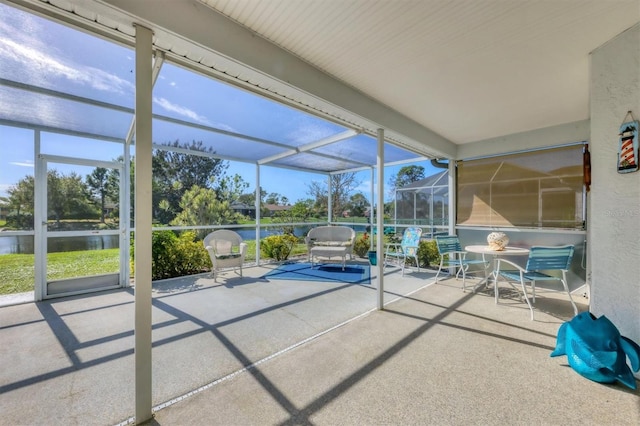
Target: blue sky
[45,54]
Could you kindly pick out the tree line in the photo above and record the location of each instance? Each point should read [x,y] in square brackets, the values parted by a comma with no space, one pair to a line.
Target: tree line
[187,189]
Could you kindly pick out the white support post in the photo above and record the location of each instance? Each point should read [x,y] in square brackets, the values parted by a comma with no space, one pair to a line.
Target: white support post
[395,210]
[143,222]
[380,219]
[125,202]
[40,222]
[371,212]
[257,204]
[452,197]
[329,200]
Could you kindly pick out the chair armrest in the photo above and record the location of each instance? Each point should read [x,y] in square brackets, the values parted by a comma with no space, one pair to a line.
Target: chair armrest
[243,249]
[510,263]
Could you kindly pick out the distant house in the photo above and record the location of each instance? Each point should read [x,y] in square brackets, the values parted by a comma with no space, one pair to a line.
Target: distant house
[109,209]
[273,208]
[244,209]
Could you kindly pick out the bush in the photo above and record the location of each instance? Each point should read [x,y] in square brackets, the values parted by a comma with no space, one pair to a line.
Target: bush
[427,254]
[362,245]
[192,257]
[278,247]
[162,254]
[176,256]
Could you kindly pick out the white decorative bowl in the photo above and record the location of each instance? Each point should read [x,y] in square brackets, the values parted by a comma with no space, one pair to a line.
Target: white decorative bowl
[497,241]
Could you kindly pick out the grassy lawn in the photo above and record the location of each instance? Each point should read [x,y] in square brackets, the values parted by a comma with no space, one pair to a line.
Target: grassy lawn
[82,263]
[17,270]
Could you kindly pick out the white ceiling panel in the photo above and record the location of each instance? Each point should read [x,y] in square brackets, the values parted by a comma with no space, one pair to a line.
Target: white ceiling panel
[467,69]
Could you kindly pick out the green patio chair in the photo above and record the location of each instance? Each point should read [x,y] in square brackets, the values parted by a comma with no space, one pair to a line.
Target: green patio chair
[452,256]
[541,258]
[407,248]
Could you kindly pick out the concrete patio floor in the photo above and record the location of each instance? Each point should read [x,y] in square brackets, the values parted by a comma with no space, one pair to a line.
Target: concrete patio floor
[255,351]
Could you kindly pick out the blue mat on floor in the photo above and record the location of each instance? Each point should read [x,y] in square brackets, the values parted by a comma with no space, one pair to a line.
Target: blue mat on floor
[331,272]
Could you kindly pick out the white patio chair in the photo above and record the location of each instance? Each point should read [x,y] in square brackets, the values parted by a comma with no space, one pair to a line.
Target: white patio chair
[226,250]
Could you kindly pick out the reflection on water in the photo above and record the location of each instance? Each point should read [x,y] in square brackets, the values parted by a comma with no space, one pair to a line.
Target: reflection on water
[23,244]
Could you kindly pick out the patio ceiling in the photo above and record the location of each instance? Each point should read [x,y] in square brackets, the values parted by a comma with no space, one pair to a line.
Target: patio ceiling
[434,74]
[468,70]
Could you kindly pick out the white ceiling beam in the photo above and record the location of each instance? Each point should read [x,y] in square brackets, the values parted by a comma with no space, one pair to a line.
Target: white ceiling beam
[313,145]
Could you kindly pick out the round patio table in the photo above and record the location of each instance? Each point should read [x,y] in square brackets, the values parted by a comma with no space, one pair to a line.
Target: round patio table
[485,250]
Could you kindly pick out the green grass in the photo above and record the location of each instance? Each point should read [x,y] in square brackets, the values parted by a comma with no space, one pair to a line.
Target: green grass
[17,273]
[82,263]
[17,270]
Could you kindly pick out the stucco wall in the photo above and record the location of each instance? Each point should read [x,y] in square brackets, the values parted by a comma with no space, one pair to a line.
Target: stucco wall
[613,236]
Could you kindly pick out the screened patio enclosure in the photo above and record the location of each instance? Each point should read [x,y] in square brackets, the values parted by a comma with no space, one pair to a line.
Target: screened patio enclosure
[425,203]
[55,87]
[67,105]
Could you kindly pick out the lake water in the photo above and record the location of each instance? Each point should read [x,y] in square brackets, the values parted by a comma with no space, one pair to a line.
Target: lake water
[23,244]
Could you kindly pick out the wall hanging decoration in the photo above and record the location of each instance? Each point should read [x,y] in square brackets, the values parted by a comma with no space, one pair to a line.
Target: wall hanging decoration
[628,151]
[586,164]
[596,350]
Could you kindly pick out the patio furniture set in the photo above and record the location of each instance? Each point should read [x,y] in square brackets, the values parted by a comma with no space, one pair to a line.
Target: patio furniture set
[544,263]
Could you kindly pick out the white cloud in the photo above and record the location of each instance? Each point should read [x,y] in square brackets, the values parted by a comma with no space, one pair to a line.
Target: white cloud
[20,42]
[309,131]
[26,163]
[180,110]
[43,64]
[190,114]
[365,188]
